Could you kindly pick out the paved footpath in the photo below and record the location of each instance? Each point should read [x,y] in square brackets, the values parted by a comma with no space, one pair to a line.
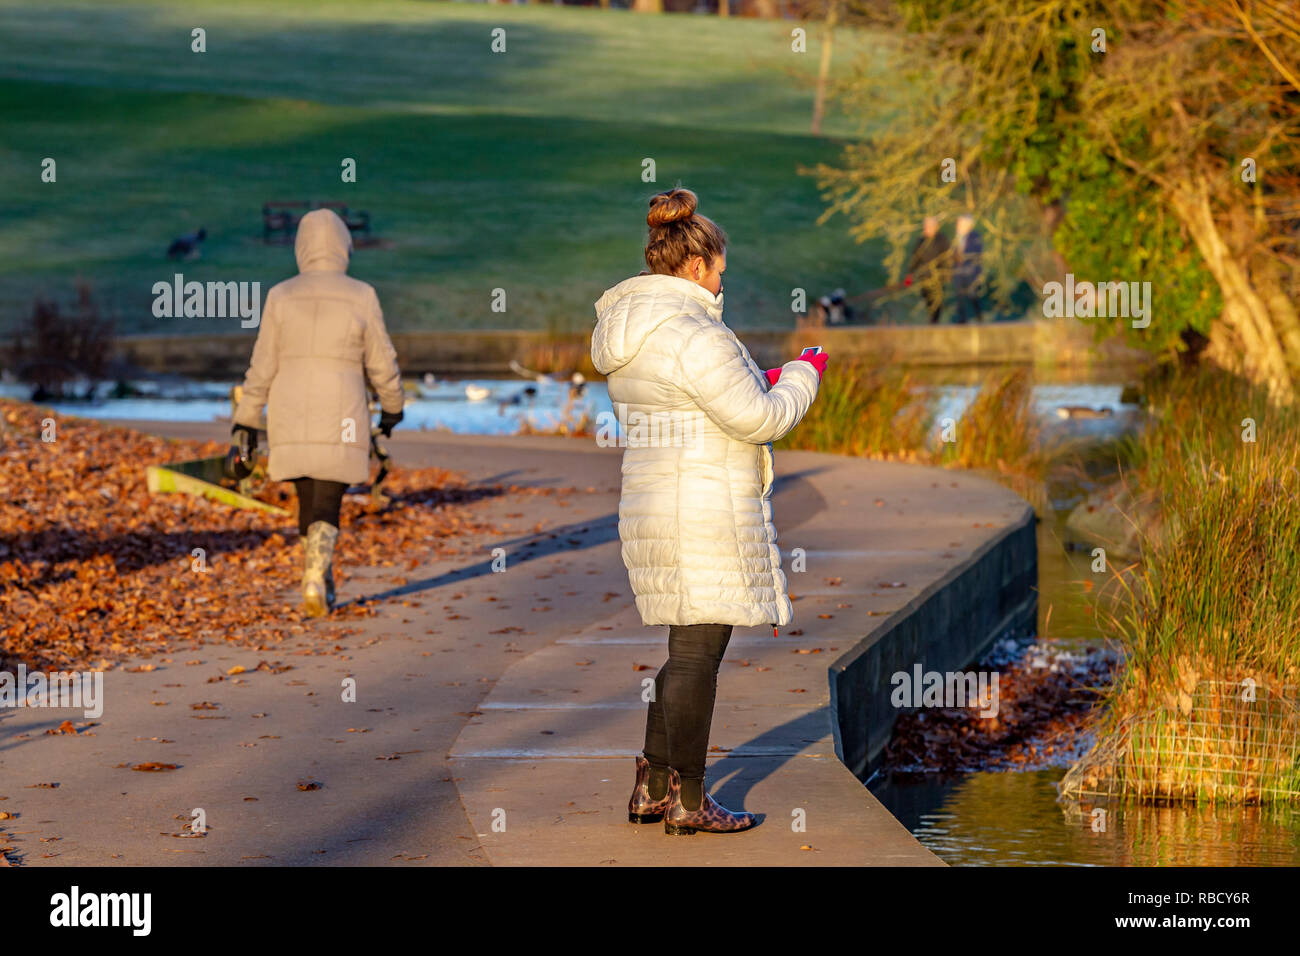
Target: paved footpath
[497,713]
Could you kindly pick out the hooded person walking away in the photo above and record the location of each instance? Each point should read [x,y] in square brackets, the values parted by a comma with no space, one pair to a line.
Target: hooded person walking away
[322,338]
[695,516]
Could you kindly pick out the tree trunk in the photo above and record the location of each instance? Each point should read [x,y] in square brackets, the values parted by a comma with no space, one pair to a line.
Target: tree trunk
[724,8]
[1247,310]
[1268,277]
[767,9]
[1053,214]
[648,6]
[824,67]
[1043,262]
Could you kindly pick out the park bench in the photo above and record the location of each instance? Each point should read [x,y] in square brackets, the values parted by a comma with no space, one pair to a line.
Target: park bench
[355,221]
[280,219]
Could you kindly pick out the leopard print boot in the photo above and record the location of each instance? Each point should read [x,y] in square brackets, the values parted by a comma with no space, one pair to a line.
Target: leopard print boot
[643,808]
[710,817]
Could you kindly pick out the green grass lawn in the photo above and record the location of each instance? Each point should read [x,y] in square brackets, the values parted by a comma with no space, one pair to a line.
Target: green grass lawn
[519,170]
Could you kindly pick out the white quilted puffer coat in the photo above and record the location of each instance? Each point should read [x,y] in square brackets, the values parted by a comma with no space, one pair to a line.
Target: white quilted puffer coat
[322,338]
[695,516]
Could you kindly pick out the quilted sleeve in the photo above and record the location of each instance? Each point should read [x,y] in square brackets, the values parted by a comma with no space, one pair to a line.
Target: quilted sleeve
[381,359]
[262,367]
[718,377]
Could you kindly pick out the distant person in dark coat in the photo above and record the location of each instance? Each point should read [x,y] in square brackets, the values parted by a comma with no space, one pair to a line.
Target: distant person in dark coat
[967,250]
[926,266]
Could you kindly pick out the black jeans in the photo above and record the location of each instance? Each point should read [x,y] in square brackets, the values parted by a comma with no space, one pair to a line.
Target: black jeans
[933,303]
[968,307]
[318,500]
[677,726]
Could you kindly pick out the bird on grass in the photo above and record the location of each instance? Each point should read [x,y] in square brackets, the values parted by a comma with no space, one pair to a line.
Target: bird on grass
[187,247]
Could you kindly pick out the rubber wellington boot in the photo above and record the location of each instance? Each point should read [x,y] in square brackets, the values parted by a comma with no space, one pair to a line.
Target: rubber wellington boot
[318,572]
[329,580]
[643,808]
[709,818]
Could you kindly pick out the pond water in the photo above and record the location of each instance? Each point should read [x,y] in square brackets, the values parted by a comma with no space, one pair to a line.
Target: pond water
[1010,817]
[465,406]
[1013,819]
[502,406]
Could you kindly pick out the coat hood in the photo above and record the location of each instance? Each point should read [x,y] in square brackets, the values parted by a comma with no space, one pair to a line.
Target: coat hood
[324,243]
[631,310]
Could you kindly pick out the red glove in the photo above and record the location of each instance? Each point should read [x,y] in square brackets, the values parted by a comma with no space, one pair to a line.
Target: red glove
[772,375]
[907,281]
[817,361]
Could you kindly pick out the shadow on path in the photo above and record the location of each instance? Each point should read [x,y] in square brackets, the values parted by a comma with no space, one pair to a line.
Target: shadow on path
[735,775]
[797,501]
[594,532]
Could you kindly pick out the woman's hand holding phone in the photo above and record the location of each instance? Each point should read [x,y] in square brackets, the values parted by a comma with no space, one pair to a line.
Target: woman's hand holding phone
[815,357]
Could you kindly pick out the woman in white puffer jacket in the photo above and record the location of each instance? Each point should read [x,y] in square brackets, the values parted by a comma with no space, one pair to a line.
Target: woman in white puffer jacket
[695,516]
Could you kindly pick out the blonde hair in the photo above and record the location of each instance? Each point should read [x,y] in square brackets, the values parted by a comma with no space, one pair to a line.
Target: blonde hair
[678,233]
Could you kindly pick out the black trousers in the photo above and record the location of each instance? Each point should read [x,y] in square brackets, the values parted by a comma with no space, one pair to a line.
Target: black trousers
[318,500]
[933,303]
[968,307]
[677,726]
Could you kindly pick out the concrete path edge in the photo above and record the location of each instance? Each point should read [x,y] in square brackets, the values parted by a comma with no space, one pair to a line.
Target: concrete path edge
[991,596]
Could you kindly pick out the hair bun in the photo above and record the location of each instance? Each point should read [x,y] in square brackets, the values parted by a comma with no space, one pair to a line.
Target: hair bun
[671,206]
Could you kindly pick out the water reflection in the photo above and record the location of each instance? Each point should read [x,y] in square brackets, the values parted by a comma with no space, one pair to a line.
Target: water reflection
[1008,818]
[1013,819]
[465,406]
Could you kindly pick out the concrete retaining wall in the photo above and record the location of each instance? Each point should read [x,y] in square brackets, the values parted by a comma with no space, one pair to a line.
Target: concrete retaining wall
[945,628]
[1061,342]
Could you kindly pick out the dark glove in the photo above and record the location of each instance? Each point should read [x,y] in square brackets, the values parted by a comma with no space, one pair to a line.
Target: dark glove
[386,422]
[243,449]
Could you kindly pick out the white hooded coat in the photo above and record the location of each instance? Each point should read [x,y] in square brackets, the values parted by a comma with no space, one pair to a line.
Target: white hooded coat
[695,516]
[321,338]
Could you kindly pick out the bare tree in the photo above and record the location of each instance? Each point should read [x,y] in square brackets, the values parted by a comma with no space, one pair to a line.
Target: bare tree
[1178,119]
[1215,83]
